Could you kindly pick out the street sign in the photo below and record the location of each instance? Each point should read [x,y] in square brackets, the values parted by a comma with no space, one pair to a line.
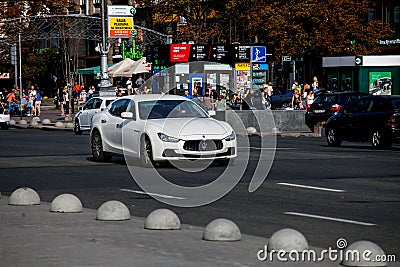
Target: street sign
[120,27]
[258,54]
[286,58]
[219,53]
[200,53]
[241,53]
[120,10]
[358,60]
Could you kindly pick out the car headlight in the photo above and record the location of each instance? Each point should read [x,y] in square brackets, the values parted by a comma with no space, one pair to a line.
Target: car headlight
[230,137]
[167,138]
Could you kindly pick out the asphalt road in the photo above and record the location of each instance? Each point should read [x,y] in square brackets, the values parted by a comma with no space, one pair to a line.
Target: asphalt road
[350,192]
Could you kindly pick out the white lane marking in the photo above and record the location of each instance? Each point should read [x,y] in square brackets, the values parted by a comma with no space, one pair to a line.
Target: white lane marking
[329,218]
[268,148]
[313,187]
[150,194]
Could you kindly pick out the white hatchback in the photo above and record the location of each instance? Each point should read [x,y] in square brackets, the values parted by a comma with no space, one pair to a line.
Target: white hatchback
[83,118]
[4,118]
[160,128]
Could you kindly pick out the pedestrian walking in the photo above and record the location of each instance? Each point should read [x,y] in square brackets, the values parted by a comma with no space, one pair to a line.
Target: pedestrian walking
[38,102]
[296,100]
[315,85]
[11,99]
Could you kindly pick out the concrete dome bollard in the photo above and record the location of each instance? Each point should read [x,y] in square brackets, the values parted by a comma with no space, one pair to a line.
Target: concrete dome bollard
[222,230]
[113,211]
[287,240]
[24,197]
[251,131]
[34,124]
[66,203]
[46,121]
[12,122]
[367,251]
[162,219]
[37,119]
[22,122]
[59,124]
[69,125]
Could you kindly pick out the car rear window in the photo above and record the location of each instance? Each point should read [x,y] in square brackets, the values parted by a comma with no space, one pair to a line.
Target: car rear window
[108,102]
[396,103]
[326,99]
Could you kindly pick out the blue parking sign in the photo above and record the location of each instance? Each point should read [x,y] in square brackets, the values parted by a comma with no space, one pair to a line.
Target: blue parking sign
[258,54]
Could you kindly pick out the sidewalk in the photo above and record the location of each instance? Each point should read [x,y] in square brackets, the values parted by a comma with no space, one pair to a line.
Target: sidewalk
[34,236]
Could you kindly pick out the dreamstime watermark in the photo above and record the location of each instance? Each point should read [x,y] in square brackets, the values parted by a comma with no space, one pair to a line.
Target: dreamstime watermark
[340,253]
[152,182]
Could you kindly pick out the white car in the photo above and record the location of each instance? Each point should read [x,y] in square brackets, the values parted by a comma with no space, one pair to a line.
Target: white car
[4,118]
[158,128]
[83,118]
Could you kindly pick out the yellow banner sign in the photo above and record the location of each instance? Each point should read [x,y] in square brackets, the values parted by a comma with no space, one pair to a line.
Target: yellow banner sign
[242,66]
[120,27]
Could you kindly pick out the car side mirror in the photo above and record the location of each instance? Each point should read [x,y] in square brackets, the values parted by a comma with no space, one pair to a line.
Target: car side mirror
[127,115]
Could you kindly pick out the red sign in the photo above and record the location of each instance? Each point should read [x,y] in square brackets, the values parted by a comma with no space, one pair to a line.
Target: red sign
[179,53]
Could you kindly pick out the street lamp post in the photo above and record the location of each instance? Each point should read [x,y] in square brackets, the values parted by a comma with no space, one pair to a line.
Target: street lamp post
[103,48]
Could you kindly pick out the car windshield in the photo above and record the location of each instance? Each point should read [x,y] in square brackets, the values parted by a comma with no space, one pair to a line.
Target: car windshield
[160,109]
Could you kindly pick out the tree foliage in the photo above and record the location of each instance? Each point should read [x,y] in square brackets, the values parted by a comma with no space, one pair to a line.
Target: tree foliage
[290,27]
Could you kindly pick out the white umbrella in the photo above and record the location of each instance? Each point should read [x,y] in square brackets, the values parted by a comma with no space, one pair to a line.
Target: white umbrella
[139,66]
[115,69]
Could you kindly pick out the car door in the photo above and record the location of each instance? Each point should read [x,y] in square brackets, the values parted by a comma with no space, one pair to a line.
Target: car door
[128,132]
[84,117]
[358,116]
[111,122]
[96,109]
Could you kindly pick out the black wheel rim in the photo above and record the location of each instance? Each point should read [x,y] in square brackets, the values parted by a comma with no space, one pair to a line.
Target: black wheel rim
[96,146]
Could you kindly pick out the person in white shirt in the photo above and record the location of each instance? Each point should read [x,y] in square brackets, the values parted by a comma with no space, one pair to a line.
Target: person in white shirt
[129,85]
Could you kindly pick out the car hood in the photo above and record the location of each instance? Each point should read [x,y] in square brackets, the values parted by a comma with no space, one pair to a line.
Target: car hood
[181,127]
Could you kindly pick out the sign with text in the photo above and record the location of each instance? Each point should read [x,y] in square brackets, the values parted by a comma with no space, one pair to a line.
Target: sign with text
[115,10]
[119,27]
[200,53]
[179,53]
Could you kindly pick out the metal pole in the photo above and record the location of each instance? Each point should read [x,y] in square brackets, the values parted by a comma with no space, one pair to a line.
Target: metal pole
[104,85]
[20,72]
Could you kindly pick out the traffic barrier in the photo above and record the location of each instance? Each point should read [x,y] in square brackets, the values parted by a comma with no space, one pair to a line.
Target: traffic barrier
[37,119]
[46,121]
[287,239]
[33,124]
[66,203]
[59,124]
[69,125]
[222,230]
[22,122]
[162,219]
[24,196]
[368,253]
[113,211]
[251,131]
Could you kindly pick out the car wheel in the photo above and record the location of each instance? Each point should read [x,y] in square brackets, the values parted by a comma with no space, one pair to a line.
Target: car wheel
[285,105]
[146,152]
[5,126]
[379,140]
[77,128]
[97,148]
[332,137]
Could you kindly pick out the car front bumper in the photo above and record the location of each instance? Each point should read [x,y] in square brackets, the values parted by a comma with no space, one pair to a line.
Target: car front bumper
[196,149]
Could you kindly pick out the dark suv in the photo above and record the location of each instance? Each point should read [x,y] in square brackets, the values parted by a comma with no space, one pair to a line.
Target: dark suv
[374,119]
[326,105]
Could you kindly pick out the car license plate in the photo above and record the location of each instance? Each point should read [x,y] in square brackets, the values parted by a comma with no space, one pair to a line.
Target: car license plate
[319,111]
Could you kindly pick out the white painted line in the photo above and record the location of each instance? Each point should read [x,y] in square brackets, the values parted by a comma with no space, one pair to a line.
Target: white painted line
[150,194]
[313,187]
[268,148]
[329,218]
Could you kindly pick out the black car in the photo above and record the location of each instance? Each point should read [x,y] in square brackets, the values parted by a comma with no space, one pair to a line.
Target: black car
[372,118]
[281,99]
[326,105]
